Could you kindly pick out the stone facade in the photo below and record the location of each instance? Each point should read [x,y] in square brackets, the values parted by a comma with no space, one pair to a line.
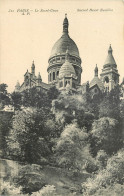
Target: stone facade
[64,70]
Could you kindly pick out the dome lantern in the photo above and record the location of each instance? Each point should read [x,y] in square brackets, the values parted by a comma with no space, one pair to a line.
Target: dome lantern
[65,25]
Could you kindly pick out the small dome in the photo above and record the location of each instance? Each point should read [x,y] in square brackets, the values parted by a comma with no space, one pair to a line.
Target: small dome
[67,68]
[97,81]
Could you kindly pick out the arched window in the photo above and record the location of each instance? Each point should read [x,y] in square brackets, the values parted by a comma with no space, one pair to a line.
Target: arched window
[106,79]
[53,75]
[50,77]
[66,83]
[57,73]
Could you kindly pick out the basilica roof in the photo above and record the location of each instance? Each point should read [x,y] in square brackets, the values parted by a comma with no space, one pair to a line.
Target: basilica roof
[65,41]
[61,45]
[110,59]
[97,81]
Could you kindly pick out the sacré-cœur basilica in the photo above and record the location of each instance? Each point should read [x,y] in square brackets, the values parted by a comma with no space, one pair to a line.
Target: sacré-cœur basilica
[64,70]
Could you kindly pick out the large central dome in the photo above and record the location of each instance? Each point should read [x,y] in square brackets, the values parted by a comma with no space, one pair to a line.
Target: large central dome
[65,42]
[58,58]
[62,44]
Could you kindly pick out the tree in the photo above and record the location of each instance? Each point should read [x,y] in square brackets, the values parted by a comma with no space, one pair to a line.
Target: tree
[102,158]
[110,105]
[72,151]
[39,98]
[35,98]
[3,88]
[5,126]
[106,135]
[4,97]
[69,107]
[29,138]
[16,100]
[107,179]
[53,93]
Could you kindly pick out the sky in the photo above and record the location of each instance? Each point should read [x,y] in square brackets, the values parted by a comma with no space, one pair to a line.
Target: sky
[93,25]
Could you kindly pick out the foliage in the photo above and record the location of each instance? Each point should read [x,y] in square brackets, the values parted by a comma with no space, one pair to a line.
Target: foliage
[65,135]
[69,107]
[72,150]
[94,103]
[105,134]
[9,189]
[91,166]
[110,105]
[4,97]
[34,98]
[115,190]
[3,88]
[39,98]
[16,100]
[31,182]
[53,93]
[107,177]
[5,125]
[29,138]
[102,158]
[48,190]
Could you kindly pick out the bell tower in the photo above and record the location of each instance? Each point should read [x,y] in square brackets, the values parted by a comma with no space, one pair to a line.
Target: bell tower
[109,75]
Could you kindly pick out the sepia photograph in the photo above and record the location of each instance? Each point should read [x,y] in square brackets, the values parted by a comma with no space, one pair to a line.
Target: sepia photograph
[61,98]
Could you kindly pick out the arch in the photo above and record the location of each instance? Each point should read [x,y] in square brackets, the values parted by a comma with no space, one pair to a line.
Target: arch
[50,77]
[53,75]
[106,79]
[57,73]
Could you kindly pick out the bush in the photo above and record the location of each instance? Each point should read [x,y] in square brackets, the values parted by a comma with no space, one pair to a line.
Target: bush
[105,134]
[102,158]
[113,174]
[30,178]
[29,138]
[8,189]
[115,190]
[48,190]
[72,150]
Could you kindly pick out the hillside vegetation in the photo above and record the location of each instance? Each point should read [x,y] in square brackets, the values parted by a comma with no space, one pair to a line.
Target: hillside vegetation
[63,144]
